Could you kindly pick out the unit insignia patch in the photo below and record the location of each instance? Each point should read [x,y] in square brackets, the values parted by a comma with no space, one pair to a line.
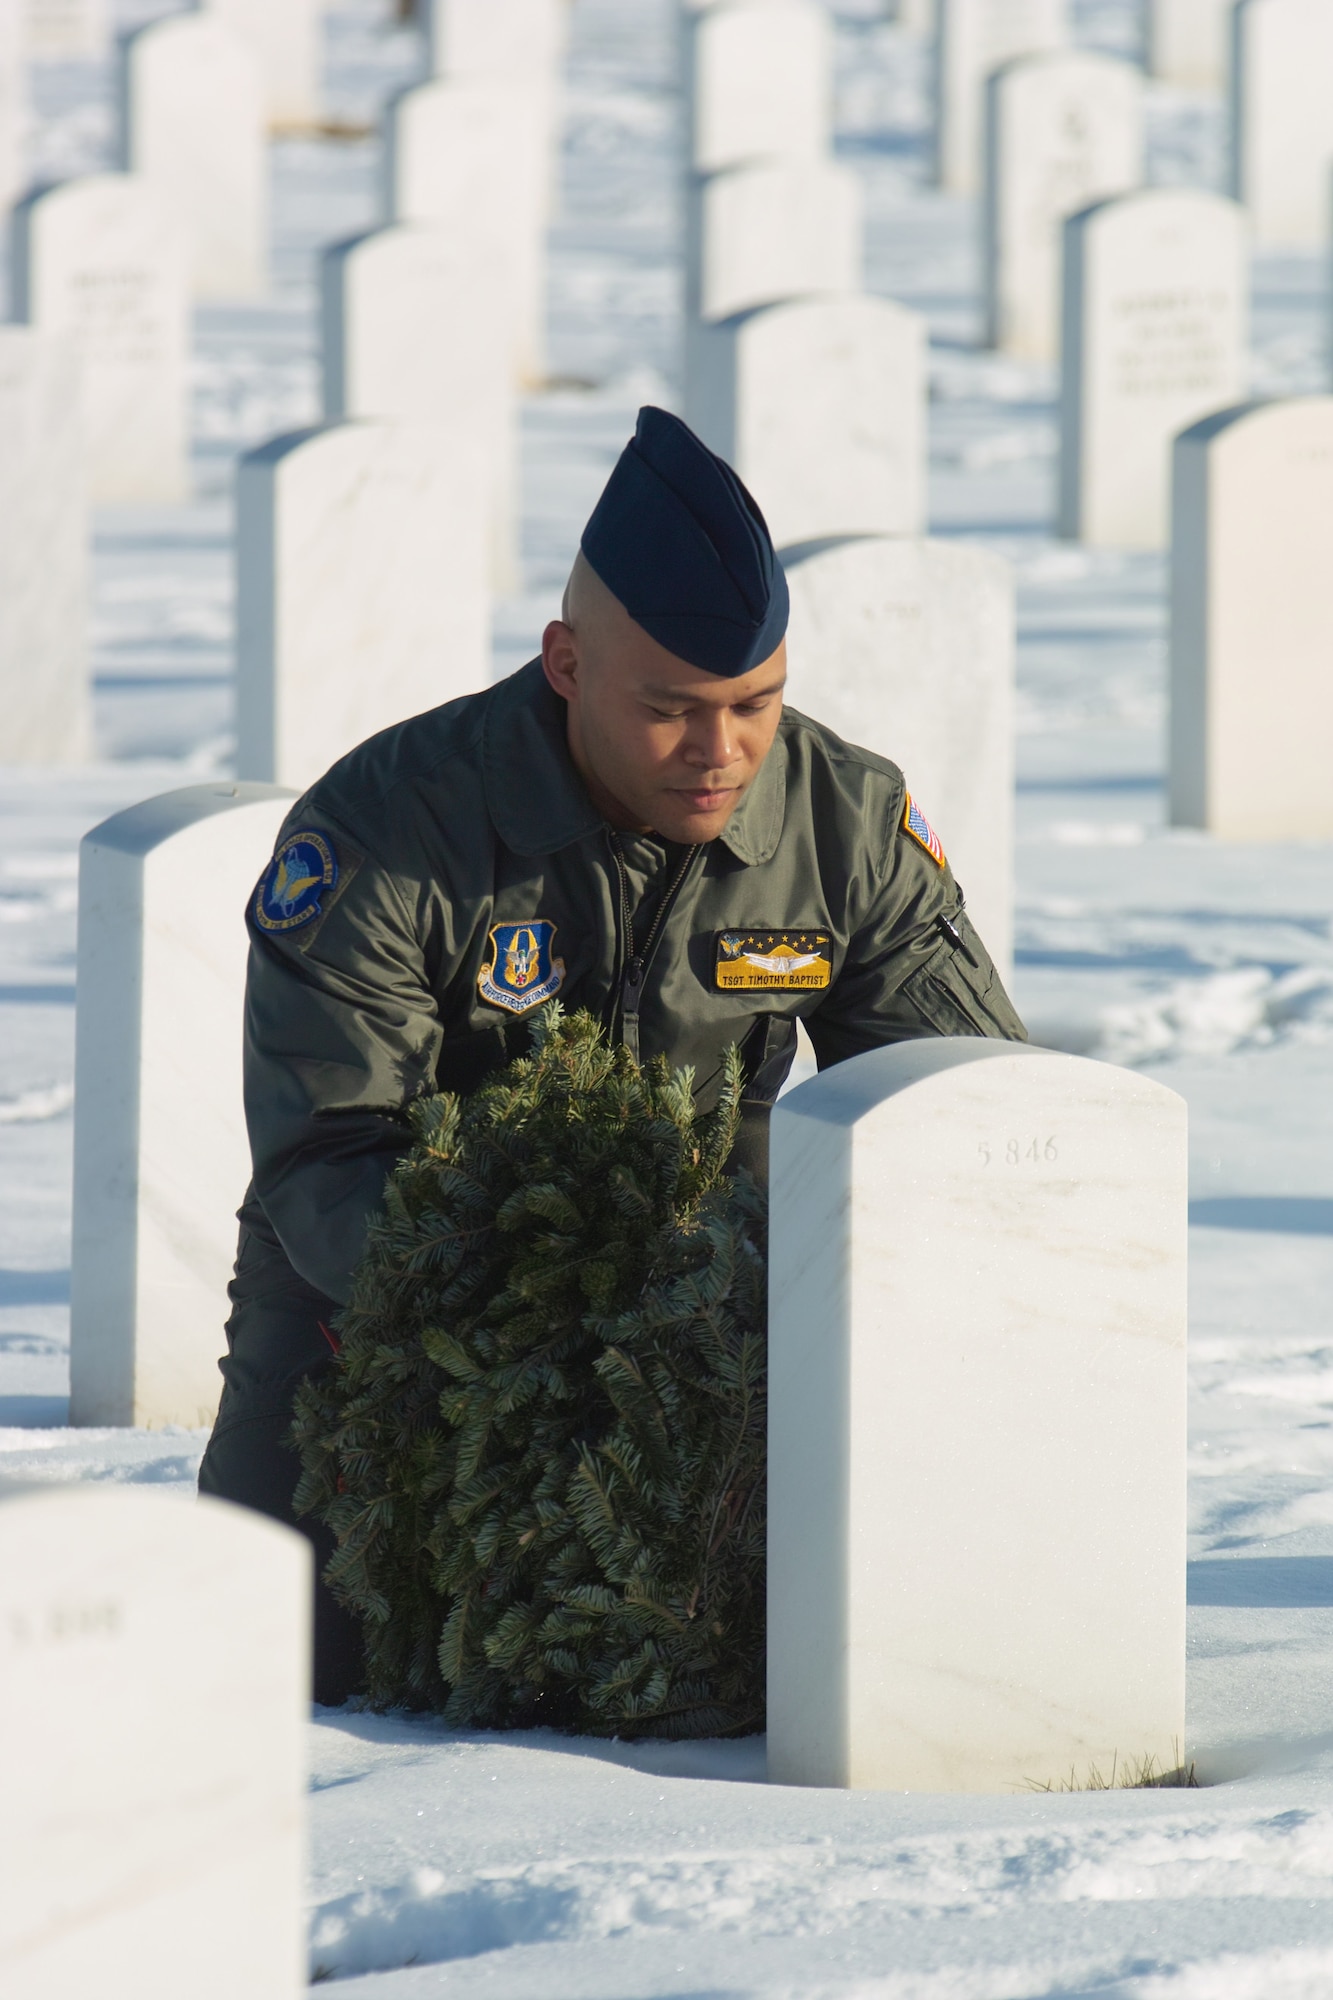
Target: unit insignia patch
[521,972]
[292,887]
[921,830]
[768,961]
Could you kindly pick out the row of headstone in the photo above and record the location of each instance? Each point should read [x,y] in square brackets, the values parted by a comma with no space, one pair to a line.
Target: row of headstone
[154,1709]
[379,535]
[974,38]
[813,391]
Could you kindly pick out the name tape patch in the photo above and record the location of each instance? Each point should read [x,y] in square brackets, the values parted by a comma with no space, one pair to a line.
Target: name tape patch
[768,961]
[292,888]
[921,830]
[521,971]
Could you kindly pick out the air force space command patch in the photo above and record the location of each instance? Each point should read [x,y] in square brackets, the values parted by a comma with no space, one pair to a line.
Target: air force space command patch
[292,888]
[773,961]
[521,972]
[921,830]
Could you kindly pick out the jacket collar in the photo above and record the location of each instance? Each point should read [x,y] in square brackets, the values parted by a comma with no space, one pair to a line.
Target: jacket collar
[536,798]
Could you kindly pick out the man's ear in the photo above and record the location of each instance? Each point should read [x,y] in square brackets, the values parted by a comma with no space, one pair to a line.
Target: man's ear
[560,658]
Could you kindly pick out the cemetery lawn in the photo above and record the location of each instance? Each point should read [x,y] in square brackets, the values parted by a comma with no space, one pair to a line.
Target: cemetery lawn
[529,1866]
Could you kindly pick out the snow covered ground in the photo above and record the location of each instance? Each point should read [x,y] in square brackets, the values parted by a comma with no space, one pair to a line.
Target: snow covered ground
[530,1866]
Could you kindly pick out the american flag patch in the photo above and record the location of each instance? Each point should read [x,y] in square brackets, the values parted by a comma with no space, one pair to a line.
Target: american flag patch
[921,830]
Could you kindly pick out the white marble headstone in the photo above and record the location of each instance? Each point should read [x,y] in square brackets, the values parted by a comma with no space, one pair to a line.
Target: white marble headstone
[13,103]
[907,649]
[43,551]
[771,233]
[1282,119]
[160,1149]
[469,156]
[285,37]
[1252,623]
[362,592]
[1156,296]
[65,30]
[820,406]
[976,1445]
[495,38]
[416,327]
[765,235]
[1061,131]
[195,130]
[154,1709]
[102,260]
[760,84]
[975,37]
[1188,42]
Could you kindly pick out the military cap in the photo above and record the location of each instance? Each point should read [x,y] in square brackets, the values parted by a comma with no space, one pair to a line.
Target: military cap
[676,537]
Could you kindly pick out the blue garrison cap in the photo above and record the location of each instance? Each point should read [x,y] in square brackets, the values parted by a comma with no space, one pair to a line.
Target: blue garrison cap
[676,537]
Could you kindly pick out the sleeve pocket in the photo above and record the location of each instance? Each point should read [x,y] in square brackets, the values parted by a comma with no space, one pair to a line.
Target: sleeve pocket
[950,996]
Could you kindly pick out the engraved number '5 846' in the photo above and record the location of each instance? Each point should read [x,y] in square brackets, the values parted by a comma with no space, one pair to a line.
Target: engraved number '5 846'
[1018,1152]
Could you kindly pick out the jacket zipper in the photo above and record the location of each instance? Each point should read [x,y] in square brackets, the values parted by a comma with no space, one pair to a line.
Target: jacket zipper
[636,963]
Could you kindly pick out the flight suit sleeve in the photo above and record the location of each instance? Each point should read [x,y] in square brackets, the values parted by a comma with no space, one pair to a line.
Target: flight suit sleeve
[342,1030]
[916,967]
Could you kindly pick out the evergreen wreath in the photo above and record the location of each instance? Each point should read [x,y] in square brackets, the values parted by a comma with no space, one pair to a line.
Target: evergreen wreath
[542,1448]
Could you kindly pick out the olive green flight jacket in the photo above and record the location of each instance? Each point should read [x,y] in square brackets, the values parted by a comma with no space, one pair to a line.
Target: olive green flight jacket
[467,876]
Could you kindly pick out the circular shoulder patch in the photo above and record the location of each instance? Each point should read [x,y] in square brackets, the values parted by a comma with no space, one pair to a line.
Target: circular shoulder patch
[292,887]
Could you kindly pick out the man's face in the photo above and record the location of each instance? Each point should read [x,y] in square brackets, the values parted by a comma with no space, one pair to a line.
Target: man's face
[662,746]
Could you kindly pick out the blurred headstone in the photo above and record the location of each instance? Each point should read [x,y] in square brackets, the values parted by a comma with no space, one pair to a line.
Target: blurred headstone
[195,131]
[43,550]
[917,16]
[416,327]
[160,1149]
[493,38]
[975,37]
[1252,623]
[65,30]
[976,1337]
[469,157]
[102,259]
[362,598]
[820,405]
[154,1709]
[907,649]
[759,236]
[1188,42]
[760,84]
[1061,131]
[284,36]
[13,103]
[1282,119]
[777,232]
[1156,296]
